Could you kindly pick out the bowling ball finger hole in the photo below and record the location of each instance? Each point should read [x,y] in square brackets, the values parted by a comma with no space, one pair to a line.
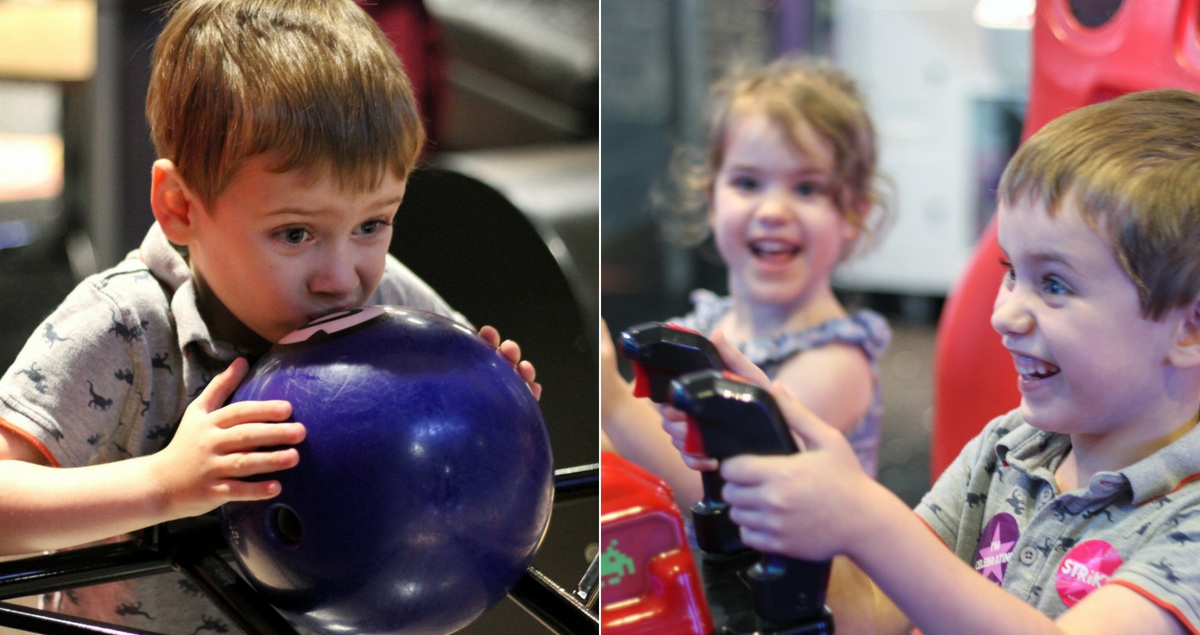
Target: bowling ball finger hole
[286,525]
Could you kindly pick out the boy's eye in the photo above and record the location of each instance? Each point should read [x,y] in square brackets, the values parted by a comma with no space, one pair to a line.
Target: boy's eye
[1008,269]
[1054,286]
[373,227]
[293,235]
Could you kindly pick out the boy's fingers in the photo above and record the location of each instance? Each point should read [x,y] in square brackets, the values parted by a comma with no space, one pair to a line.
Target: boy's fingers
[237,490]
[511,350]
[761,541]
[250,436]
[747,471]
[527,371]
[244,412]
[247,464]
[490,335]
[742,471]
[220,389]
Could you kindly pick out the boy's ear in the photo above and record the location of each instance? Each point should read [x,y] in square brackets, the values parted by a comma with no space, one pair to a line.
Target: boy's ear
[1186,351]
[173,203]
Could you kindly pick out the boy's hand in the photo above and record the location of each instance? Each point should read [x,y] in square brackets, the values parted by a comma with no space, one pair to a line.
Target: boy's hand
[216,446]
[805,505]
[512,352]
[675,421]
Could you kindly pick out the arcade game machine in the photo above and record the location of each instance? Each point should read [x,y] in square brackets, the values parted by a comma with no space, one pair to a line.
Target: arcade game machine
[652,578]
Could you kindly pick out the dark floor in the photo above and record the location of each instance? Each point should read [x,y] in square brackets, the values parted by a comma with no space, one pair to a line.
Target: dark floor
[906,372]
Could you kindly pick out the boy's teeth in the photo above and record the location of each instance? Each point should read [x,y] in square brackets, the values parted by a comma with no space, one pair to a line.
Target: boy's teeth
[1034,368]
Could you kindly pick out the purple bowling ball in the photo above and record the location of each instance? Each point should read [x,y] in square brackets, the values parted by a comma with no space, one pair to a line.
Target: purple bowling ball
[425,482]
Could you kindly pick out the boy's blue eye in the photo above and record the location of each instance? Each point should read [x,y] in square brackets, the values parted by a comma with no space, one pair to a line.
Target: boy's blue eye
[1053,286]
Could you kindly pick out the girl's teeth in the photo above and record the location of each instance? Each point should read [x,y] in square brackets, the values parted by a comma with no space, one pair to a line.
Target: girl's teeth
[772,248]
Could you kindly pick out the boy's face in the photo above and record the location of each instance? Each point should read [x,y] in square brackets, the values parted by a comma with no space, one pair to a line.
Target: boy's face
[279,250]
[1087,361]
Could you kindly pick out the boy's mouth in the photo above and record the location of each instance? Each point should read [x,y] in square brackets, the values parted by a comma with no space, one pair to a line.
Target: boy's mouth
[1030,368]
[772,250]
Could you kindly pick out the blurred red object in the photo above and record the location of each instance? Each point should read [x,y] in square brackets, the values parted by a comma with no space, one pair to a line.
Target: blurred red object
[649,583]
[418,43]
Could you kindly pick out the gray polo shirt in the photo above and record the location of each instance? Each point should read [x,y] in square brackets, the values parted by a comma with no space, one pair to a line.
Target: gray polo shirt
[108,376]
[998,507]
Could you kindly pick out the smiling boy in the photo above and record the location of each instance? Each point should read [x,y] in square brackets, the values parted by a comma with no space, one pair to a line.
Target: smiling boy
[286,131]
[1078,512]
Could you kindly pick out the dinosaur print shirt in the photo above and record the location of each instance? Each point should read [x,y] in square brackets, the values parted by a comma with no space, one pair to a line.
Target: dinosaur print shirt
[998,507]
[107,377]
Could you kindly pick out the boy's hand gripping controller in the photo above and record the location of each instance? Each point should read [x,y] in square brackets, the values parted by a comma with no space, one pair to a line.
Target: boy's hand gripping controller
[661,353]
[734,417]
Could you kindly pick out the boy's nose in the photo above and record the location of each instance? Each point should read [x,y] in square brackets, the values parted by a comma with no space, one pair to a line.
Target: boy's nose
[337,275]
[1009,314]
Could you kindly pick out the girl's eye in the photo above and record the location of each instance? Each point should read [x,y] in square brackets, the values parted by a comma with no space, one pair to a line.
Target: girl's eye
[808,188]
[744,183]
[293,235]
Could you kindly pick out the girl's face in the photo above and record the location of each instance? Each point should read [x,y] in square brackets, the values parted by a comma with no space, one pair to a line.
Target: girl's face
[774,216]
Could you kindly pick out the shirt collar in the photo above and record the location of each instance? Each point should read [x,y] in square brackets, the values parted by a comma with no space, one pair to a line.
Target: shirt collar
[1037,452]
[1167,469]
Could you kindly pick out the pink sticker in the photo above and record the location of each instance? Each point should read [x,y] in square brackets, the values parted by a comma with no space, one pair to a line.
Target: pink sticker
[996,544]
[1084,569]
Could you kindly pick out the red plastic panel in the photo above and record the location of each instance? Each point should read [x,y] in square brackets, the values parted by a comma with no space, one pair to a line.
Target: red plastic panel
[649,581]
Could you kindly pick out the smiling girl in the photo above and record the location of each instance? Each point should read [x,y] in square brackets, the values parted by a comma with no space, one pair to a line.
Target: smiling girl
[791,186]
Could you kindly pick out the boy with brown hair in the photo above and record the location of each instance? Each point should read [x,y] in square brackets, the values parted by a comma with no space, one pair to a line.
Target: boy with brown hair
[1078,512]
[286,130]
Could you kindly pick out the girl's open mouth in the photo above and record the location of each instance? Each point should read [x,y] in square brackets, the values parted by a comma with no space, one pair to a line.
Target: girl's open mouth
[772,250]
